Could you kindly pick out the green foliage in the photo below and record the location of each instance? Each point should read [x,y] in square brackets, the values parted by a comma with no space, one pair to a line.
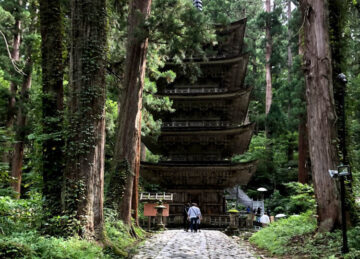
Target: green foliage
[296,198]
[296,237]
[32,245]
[19,238]
[19,215]
[9,250]
[256,151]
[278,235]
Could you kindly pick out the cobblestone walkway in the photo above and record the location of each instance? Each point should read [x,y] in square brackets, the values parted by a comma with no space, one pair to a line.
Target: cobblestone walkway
[176,244]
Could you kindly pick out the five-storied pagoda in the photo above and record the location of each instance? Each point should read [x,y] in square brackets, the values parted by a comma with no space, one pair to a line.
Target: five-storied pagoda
[208,127]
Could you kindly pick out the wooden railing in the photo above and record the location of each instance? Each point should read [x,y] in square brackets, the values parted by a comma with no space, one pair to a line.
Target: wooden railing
[146,196]
[180,124]
[195,90]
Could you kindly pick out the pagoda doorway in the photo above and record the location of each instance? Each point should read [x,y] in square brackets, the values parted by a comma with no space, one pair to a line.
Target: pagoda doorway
[195,197]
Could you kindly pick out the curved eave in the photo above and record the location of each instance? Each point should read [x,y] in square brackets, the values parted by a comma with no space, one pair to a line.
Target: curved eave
[213,61]
[233,25]
[238,139]
[198,96]
[206,176]
[226,131]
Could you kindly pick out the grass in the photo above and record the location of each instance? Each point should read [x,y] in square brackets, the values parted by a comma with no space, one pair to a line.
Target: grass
[296,237]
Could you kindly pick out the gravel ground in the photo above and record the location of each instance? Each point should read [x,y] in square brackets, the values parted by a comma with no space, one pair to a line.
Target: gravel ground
[207,244]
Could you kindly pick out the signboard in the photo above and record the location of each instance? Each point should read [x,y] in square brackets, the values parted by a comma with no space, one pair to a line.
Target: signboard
[149,209]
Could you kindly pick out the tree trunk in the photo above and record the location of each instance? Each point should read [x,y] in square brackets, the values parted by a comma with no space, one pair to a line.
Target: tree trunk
[290,56]
[15,55]
[52,104]
[321,111]
[84,174]
[303,145]
[267,58]
[18,153]
[128,137]
[135,198]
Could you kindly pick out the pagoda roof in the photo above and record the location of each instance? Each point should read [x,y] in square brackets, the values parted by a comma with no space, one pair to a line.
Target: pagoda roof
[190,176]
[183,104]
[227,73]
[232,140]
[233,43]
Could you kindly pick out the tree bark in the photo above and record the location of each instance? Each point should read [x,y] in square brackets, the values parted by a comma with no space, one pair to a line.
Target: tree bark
[303,145]
[128,137]
[135,198]
[52,103]
[267,58]
[321,115]
[84,174]
[21,118]
[290,56]
[15,55]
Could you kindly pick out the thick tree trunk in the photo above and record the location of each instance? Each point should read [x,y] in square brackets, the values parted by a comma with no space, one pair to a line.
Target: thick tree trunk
[321,111]
[52,103]
[21,118]
[84,174]
[268,53]
[128,137]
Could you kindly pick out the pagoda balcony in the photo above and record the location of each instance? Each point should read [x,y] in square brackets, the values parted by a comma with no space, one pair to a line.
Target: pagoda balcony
[197,124]
[197,90]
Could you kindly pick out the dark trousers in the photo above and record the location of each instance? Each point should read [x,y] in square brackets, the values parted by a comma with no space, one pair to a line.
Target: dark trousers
[186,224]
[193,224]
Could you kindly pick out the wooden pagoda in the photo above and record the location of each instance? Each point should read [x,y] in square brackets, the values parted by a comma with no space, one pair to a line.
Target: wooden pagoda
[208,127]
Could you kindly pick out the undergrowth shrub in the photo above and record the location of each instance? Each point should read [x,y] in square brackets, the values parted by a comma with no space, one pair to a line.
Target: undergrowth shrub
[297,237]
[276,236]
[19,215]
[297,198]
[9,250]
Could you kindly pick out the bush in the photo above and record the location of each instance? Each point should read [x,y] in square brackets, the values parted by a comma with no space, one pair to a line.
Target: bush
[11,250]
[19,215]
[276,236]
[299,198]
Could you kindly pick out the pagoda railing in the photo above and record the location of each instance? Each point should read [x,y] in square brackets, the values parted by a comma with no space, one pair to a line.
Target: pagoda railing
[195,90]
[197,157]
[184,124]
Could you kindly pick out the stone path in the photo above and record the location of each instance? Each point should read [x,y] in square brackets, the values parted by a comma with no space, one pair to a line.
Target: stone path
[178,244]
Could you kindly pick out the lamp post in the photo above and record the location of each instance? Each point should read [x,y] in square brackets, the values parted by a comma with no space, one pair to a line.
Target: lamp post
[341,173]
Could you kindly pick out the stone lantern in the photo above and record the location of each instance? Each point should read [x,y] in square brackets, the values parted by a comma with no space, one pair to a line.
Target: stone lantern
[159,214]
[234,222]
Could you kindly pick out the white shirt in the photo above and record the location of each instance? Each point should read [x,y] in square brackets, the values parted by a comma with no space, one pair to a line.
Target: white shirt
[194,212]
[265,219]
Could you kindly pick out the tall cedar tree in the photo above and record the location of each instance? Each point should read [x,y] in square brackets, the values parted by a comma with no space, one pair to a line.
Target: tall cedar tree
[15,155]
[321,115]
[84,173]
[268,98]
[15,55]
[128,138]
[21,121]
[52,103]
[303,146]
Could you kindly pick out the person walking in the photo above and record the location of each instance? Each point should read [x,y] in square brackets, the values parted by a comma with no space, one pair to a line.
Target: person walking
[194,215]
[185,214]
[265,220]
